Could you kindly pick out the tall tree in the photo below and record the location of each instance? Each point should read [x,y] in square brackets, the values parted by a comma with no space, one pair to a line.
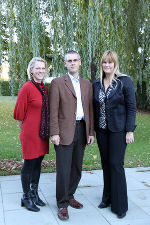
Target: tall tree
[30,33]
[35,24]
[3,37]
[24,37]
[90,27]
[1,19]
[137,48]
[11,44]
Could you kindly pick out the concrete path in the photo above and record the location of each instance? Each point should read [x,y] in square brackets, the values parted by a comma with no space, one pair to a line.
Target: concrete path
[89,193]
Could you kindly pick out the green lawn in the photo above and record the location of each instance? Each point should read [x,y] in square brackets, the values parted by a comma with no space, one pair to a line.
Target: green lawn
[138,153]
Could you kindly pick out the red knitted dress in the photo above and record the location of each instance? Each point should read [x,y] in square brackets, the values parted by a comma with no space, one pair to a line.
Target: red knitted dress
[28,109]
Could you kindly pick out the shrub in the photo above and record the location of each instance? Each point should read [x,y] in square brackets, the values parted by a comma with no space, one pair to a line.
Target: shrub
[6,89]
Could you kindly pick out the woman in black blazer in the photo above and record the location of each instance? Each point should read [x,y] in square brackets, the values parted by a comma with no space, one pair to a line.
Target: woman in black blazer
[115,113]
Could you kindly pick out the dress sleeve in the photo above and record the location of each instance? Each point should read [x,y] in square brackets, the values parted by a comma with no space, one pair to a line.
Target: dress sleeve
[21,104]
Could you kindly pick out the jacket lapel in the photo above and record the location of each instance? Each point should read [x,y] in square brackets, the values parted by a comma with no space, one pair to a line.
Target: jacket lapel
[69,84]
[113,90]
[83,88]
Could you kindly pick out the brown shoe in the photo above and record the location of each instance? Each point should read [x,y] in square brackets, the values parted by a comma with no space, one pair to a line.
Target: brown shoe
[75,204]
[63,214]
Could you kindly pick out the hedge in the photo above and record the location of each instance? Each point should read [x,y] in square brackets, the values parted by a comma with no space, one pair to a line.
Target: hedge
[6,89]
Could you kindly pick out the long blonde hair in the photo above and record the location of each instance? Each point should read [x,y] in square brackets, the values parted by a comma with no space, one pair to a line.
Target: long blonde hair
[111,56]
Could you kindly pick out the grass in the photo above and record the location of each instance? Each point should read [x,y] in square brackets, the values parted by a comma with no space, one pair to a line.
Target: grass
[137,154]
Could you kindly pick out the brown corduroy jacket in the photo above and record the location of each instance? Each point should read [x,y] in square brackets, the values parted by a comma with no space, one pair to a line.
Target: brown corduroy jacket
[63,104]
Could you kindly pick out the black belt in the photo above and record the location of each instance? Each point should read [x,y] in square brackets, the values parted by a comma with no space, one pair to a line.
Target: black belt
[79,121]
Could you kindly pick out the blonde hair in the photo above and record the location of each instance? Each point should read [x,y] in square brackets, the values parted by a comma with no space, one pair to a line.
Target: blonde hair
[111,56]
[32,64]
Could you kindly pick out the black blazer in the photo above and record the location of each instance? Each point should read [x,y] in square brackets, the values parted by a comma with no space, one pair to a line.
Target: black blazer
[120,105]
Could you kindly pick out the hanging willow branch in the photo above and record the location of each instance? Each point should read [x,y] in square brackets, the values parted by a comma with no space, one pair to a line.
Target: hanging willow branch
[35,28]
[0,42]
[90,27]
[1,19]
[11,45]
[23,32]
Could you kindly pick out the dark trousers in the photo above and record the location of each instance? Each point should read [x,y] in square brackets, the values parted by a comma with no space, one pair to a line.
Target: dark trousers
[30,172]
[112,148]
[69,160]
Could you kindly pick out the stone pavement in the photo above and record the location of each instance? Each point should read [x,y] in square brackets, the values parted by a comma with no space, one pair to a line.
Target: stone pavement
[89,193]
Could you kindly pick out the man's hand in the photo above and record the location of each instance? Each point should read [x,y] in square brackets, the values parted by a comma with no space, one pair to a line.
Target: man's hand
[90,140]
[129,137]
[55,139]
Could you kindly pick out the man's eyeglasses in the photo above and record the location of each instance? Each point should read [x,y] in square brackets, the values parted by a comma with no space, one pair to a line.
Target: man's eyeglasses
[74,60]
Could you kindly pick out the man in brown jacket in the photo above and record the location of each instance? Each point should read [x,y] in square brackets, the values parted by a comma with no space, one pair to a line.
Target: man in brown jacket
[71,128]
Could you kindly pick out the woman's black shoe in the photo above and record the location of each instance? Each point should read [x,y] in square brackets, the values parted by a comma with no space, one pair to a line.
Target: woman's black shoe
[35,196]
[120,216]
[27,202]
[103,205]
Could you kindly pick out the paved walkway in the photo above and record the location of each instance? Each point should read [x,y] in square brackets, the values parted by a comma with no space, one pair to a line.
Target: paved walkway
[89,193]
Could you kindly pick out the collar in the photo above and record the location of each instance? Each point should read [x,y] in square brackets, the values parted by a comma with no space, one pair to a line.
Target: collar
[97,80]
[73,78]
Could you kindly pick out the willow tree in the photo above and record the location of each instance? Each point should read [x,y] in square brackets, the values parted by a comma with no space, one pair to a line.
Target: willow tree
[44,36]
[1,29]
[11,44]
[1,19]
[63,25]
[23,32]
[138,48]
[3,36]
[69,20]
[118,36]
[89,38]
[104,28]
[88,27]
[35,24]
[30,35]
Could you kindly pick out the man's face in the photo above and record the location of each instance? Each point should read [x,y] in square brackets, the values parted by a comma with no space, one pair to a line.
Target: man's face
[72,63]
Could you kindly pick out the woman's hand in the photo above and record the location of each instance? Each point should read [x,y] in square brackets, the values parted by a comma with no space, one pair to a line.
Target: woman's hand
[129,137]
[19,123]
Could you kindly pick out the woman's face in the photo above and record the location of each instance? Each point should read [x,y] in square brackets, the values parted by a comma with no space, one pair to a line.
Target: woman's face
[38,71]
[108,67]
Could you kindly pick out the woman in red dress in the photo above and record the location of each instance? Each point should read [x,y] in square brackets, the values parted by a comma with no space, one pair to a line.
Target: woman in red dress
[32,113]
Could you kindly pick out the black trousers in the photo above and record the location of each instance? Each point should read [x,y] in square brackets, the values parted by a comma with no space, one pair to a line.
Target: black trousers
[112,148]
[69,160]
[30,172]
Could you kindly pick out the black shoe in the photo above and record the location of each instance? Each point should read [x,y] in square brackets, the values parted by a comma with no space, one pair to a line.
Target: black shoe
[35,196]
[103,205]
[38,201]
[120,216]
[27,202]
